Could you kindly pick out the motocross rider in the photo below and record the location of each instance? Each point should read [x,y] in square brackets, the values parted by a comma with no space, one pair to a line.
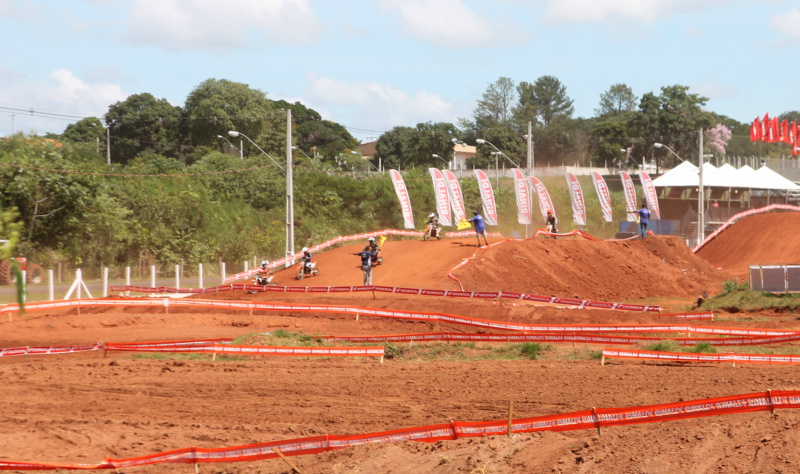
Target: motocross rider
[433,224]
[551,222]
[306,259]
[264,271]
[373,247]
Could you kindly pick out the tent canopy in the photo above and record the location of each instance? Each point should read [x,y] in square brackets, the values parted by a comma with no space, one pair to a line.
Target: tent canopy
[726,176]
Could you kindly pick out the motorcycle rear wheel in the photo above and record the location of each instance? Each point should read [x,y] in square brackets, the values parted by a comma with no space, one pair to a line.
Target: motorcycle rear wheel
[300,275]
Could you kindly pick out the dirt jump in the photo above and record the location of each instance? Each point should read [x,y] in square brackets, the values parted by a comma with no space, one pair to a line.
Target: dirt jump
[83,408]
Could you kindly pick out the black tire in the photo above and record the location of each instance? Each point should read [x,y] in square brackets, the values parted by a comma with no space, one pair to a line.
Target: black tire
[35,274]
[5,272]
[300,275]
[426,237]
[315,272]
[252,292]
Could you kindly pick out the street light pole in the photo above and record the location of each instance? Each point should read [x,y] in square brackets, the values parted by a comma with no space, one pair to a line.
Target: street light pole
[701,232]
[701,222]
[529,136]
[289,187]
[445,161]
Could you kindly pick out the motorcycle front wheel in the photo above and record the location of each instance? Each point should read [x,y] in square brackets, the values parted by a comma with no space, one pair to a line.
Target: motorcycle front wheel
[300,275]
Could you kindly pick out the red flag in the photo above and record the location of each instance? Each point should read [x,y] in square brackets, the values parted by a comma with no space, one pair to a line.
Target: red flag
[773,130]
[402,195]
[755,131]
[795,139]
[442,198]
[785,137]
[765,127]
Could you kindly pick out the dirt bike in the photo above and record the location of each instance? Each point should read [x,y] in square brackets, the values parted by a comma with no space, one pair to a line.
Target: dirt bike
[307,269]
[433,231]
[552,229]
[263,280]
[377,259]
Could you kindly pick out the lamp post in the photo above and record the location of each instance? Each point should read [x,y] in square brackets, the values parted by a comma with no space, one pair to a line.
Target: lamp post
[481,141]
[700,191]
[240,149]
[445,161]
[368,162]
[301,151]
[289,184]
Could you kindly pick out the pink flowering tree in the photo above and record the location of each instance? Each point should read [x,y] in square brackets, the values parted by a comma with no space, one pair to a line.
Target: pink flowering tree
[718,138]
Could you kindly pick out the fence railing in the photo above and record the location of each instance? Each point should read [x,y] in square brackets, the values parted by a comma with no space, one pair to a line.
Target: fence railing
[775,278]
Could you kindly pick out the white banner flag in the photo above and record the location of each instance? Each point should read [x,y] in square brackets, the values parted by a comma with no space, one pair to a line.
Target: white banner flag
[442,199]
[487,198]
[402,195]
[630,196]
[456,198]
[578,205]
[650,195]
[523,197]
[605,196]
[545,203]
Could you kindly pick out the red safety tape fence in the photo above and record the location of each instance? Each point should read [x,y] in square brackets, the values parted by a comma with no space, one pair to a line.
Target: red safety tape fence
[736,217]
[594,418]
[580,233]
[268,350]
[344,238]
[30,350]
[593,339]
[413,291]
[700,357]
[396,314]
[218,346]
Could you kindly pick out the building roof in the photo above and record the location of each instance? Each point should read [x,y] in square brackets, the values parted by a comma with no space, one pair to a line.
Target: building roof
[726,176]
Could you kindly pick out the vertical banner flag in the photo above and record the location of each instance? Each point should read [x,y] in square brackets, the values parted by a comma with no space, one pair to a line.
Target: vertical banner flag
[456,198]
[545,204]
[630,196]
[487,197]
[402,195]
[755,131]
[650,196]
[442,199]
[602,192]
[765,127]
[523,197]
[578,206]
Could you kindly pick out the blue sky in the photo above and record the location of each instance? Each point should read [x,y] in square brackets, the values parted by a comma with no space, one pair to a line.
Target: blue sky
[374,65]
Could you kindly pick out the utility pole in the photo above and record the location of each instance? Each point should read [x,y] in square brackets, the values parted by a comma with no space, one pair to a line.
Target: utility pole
[701,221]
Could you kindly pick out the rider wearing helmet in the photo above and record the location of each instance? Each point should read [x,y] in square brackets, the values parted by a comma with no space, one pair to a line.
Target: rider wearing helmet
[373,247]
[306,259]
[551,222]
[433,225]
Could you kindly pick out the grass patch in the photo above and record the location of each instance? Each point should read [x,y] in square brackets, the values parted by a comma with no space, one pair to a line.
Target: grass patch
[737,297]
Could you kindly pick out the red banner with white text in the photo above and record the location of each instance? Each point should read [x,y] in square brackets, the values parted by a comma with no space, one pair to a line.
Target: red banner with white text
[405,200]
[578,204]
[545,204]
[523,197]
[603,194]
[487,198]
[650,194]
[442,197]
[630,196]
[456,198]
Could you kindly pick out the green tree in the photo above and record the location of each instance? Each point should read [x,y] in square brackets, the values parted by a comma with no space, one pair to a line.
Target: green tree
[141,122]
[494,106]
[618,99]
[613,136]
[548,97]
[405,147]
[216,107]
[673,118]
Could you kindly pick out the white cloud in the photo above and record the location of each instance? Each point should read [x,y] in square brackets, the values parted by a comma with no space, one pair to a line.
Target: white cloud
[451,24]
[788,25]
[611,11]
[373,106]
[63,94]
[714,90]
[179,25]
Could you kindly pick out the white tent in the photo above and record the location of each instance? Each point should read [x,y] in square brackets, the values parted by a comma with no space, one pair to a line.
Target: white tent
[686,175]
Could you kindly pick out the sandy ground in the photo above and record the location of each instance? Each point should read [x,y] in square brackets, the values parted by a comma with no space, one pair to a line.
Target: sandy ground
[82,408]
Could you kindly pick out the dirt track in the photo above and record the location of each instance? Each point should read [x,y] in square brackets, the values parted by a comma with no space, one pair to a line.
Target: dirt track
[81,408]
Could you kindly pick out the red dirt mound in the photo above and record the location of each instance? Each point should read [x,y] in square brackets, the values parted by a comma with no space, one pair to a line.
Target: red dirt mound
[764,239]
[660,266]
[607,271]
[409,263]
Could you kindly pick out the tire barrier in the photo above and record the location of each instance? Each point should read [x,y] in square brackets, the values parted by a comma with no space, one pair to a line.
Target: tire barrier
[396,314]
[590,419]
[700,357]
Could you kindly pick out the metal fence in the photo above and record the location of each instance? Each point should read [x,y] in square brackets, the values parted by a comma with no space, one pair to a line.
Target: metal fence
[775,278]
